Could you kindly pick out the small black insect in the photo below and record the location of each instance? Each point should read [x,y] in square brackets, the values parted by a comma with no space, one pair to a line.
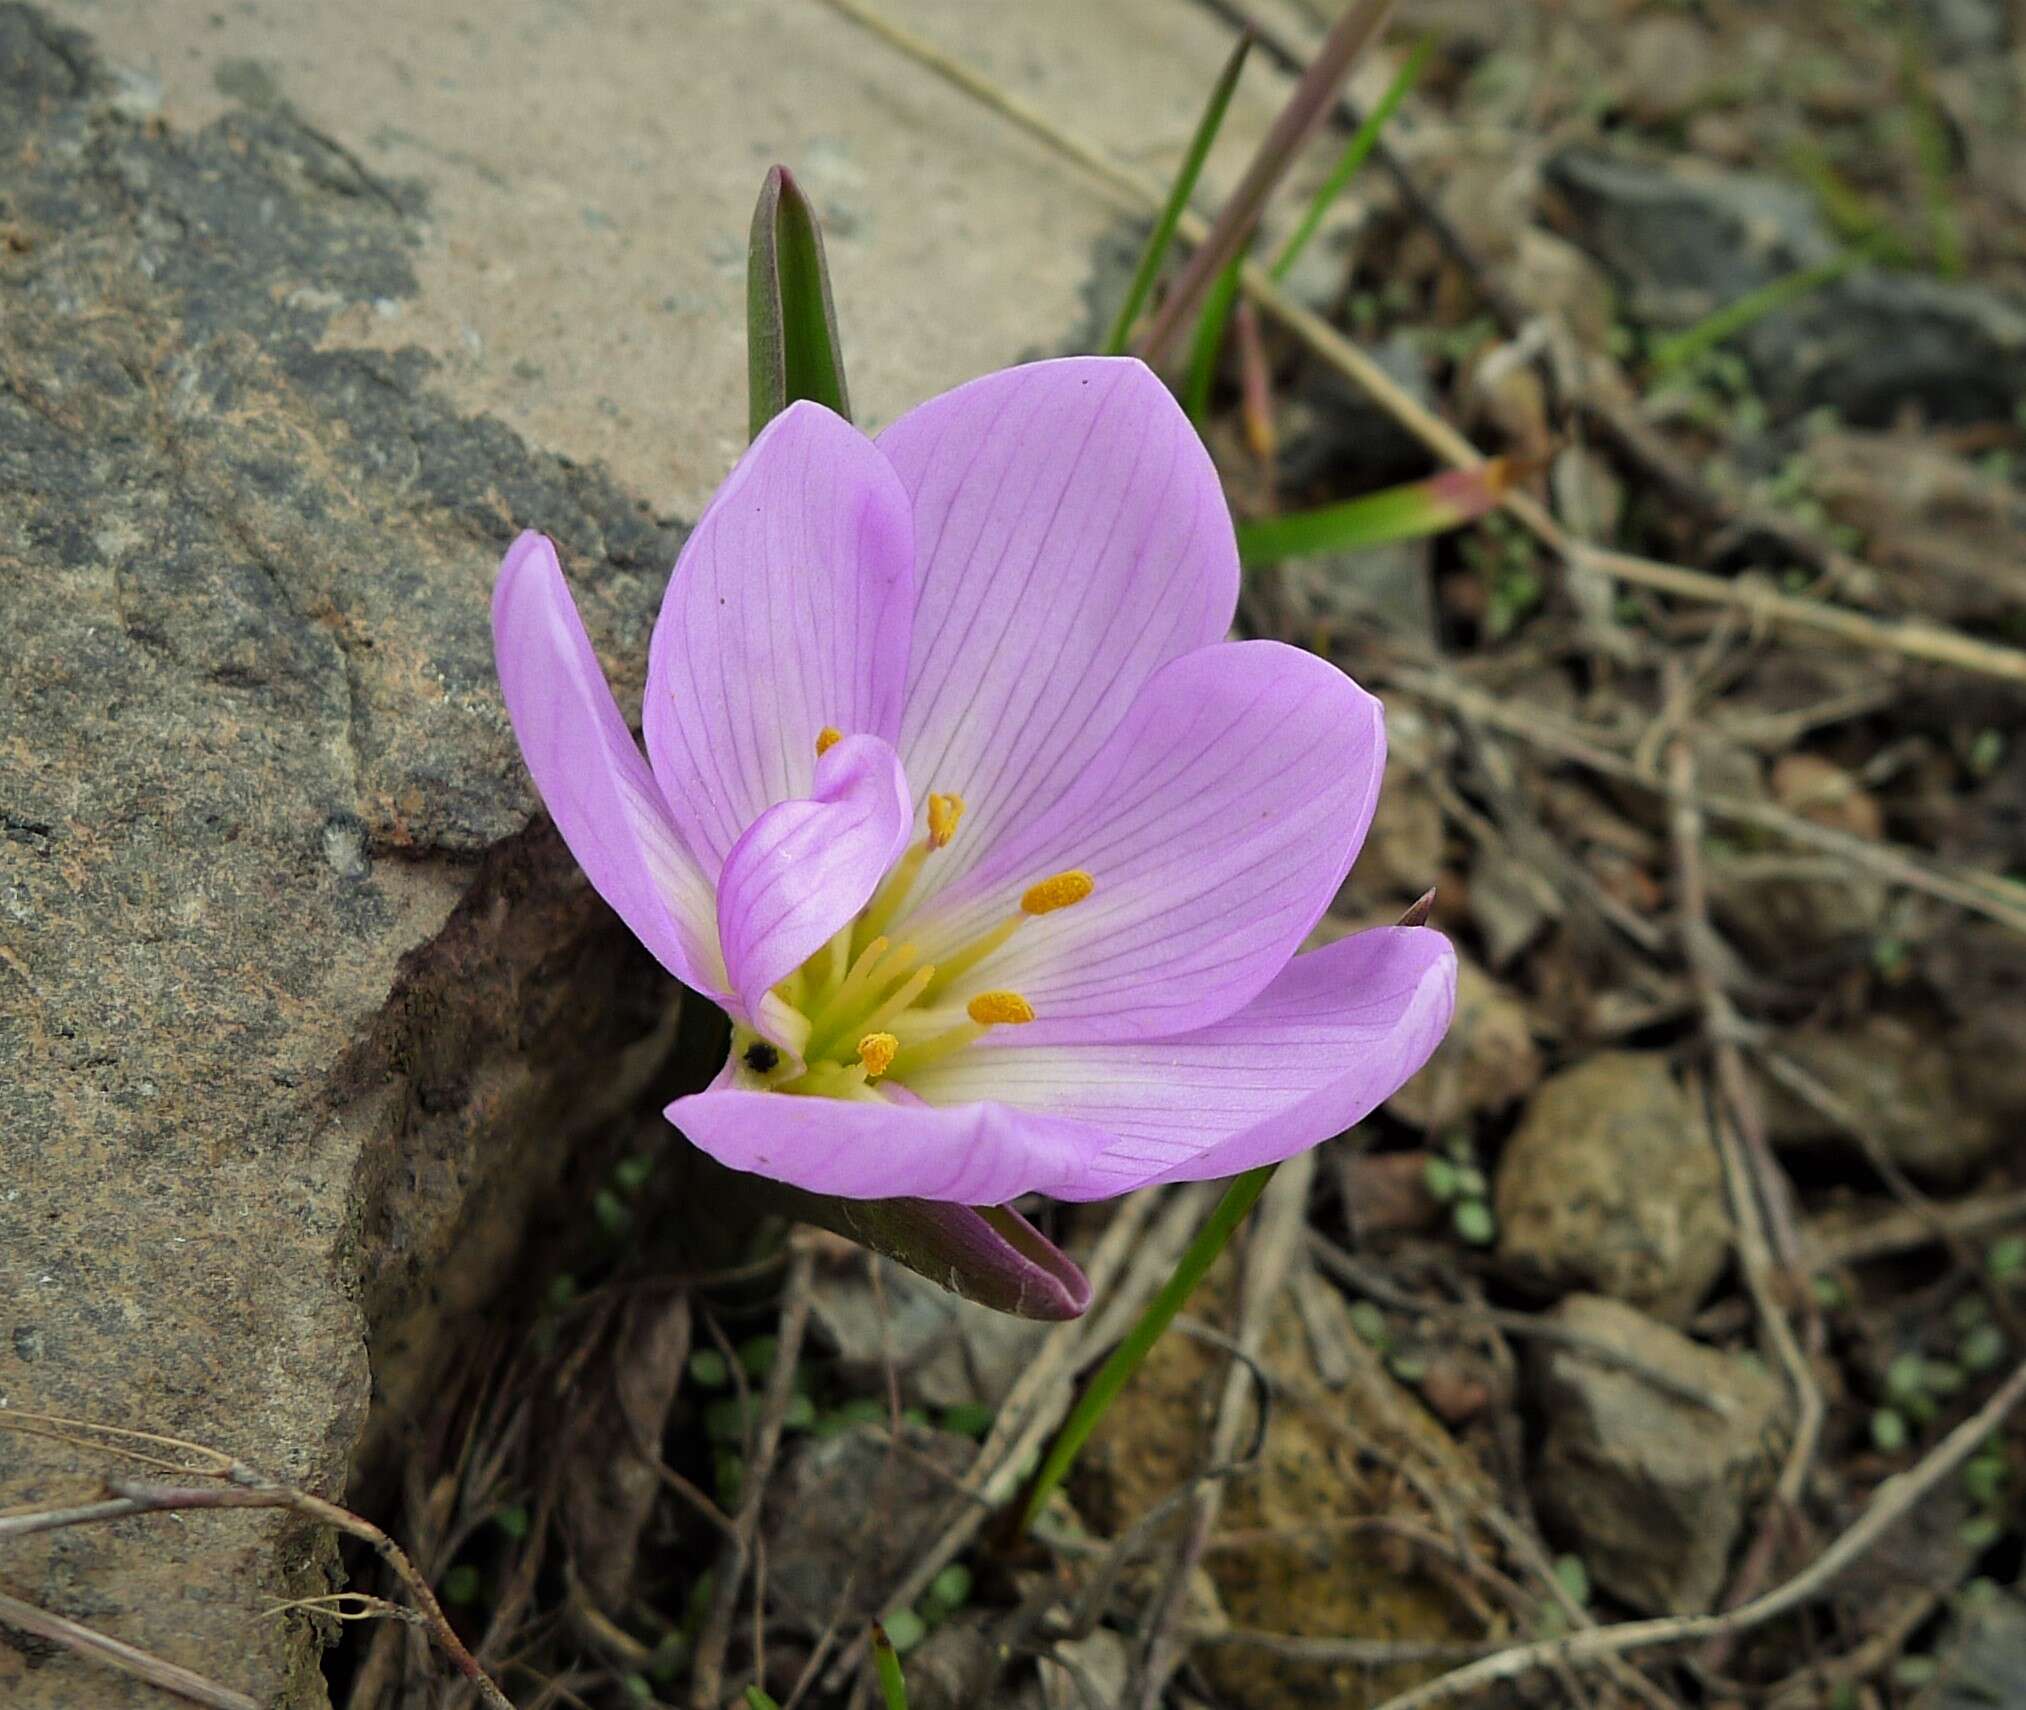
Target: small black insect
[762,1058]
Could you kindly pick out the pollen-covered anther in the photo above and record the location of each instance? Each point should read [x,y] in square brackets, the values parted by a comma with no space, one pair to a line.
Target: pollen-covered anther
[1000,1009]
[944,812]
[1058,890]
[827,738]
[877,1052]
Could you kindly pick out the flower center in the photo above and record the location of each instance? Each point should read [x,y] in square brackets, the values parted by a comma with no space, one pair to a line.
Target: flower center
[875,1010]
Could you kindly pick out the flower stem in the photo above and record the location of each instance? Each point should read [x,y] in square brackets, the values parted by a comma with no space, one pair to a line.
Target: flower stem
[1092,1405]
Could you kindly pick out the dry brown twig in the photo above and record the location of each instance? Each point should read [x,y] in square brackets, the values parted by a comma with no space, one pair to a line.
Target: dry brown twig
[1271,1246]
[1891,1503]
[707,1676]
[1768,1245]
[239,1487]
[128,1659]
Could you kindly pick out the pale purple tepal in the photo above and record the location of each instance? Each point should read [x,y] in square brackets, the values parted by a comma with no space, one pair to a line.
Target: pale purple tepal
[956,798]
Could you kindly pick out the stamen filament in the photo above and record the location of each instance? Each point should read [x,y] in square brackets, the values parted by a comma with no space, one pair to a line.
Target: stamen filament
[902,999]
[936,1046]
[955,967]
[886,903]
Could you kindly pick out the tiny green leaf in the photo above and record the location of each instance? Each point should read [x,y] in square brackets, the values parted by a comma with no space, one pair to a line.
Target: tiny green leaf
[1473,1221]
[1444,501]
[707,1367]
[1983,1348]
[461,1584]
[1163,234]
[1573,1575]
[1888,1431]
[1440,1177]
[901,1631]
[758,1700]
[791,325]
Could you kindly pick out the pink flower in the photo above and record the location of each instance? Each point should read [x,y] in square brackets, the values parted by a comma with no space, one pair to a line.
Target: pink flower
[997,853]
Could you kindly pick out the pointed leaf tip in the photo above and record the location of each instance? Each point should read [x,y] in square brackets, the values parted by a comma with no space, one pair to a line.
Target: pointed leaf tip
[792,350]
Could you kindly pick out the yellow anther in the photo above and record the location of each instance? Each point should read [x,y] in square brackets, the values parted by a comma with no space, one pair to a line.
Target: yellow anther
[827,738]
[1059,890]
[1000,1009]
[876,1051]
[944,812]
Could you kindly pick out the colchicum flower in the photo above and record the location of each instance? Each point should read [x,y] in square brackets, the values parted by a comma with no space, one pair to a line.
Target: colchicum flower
[995,850]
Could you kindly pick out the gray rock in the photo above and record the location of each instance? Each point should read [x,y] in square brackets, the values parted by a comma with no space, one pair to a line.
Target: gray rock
[294,1006]
[1649,1489]
[1683,240]
[1982,1660]
[1687,239]
[946,1350]
[843,1514]
[1611,1183]
[1904,1081]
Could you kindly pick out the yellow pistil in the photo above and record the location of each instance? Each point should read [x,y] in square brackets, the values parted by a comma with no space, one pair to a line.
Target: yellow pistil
[827,738]
[1059,890]
[1000,1009]
[944,812]
[877,1052]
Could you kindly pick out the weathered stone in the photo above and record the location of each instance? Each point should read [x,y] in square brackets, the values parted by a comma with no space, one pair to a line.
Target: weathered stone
[1686,239]
[1650,1489]
[1982,1659]
[1486,1060]
[292,1010]
[590,178]
[1611,1183]
[1900,1079]
[843,1514]
[946,1350]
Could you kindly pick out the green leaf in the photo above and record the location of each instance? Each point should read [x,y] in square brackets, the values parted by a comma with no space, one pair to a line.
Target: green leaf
[2006,1259]
[708,1369]
[1983,1348]
[1163,234]
[1671,354]
[1473,1221]
[950,1590]
[1444,501]
[1208,343]
[791,326]
[1362,142]
[461,1585]
[1574,1577]
[1092,1405]
[1888,1431]
[902,1631]
[758,1700]
[1439,1175]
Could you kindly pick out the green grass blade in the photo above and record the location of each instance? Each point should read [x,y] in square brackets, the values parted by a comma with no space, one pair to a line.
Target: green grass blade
[1095,1401]
[1208,343]
[886,1660]
[1733,318]
[1356,151]
[1444,501]
[1163,234]
[791,324]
